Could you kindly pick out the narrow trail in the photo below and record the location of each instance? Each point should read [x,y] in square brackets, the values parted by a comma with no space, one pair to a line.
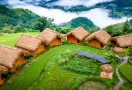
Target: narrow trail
[121,81]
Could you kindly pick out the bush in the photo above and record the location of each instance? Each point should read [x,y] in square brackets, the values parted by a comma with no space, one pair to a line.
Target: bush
[125,70]
[130,51]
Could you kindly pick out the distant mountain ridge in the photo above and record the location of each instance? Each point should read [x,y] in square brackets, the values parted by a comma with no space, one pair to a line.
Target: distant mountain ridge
[19,16]
[117,8]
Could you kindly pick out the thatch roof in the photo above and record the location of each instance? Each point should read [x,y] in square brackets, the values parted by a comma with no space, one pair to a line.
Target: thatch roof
[118,50]
[28,43]
[3,70]
[80,33]
[123,41]
[107,68]
[9,55]
[100,35]
[49,35]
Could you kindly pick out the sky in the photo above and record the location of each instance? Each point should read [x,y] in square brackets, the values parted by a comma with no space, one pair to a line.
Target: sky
[100,17]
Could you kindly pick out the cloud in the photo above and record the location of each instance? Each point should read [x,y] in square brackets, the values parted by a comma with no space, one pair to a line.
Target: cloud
[98,16]
[71,3]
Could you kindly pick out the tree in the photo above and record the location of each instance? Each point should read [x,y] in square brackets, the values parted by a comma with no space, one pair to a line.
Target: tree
[19,29]
[42,23]
[109,29]
[126,27]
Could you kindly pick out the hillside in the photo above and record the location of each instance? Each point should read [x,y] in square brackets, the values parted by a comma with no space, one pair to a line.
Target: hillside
[80,21]
[16,17]
[117,8]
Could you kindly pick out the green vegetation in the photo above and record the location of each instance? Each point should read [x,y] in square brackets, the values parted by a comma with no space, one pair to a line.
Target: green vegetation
[42,23]
[17,17]
[46,74]
[82,21]
[124,71]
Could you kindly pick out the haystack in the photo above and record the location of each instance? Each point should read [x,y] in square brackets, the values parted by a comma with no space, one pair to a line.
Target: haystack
[122,41]
[118,50]
[77,36]
[98,39]
[50,37]
[30,45]
[10,59]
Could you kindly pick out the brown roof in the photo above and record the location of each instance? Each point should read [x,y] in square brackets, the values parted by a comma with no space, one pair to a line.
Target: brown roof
[123,41]
[107,68]
[49,35]
[28,43]
[100,35]
[9,55]
[3,70]
[80,33]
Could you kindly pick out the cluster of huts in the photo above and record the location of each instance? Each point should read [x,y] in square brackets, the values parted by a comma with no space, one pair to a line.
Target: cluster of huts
[11,58]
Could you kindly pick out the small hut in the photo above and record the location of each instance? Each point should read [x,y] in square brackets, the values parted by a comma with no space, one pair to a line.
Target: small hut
[98,39]
[50,37]
[107,71]
[118,50]
[122,41]
[77,35]
[10,59]
[30,45]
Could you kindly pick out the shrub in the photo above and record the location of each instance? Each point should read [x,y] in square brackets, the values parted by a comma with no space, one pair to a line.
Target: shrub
[126,72]
[130,51]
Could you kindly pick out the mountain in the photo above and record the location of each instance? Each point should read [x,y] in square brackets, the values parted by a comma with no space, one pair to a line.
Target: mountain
[19,16]
[117,8]
[80,21]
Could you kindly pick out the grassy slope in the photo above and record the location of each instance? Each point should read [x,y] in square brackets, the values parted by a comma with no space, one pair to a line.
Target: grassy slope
[10,39]
[41,75]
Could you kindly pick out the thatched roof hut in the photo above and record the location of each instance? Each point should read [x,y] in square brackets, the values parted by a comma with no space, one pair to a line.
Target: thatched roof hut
[98,39]
[107,68]
[107,71]
[50,37]
[122,41]
[3,70]
[9,55]
[30,45]
[77,35]
[118,50]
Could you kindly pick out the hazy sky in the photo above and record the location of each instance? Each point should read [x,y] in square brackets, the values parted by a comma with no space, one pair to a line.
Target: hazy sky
[98,16]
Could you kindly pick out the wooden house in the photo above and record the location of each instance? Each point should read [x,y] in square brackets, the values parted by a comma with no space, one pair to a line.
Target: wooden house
[77,35]
[50,37]
[10,59]
[30,45]
[98,39]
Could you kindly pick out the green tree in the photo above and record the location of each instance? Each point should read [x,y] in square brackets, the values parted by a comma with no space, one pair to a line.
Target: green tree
[109,29]
[126,27]
[82,21]
[42,23]
[19,29]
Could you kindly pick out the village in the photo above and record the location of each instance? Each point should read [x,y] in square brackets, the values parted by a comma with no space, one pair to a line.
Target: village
[11,58]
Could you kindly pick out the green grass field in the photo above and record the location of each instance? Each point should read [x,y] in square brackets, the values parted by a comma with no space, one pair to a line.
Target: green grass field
[56,70]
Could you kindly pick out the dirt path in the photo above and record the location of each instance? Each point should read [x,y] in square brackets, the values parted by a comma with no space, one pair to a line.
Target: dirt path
[121,81]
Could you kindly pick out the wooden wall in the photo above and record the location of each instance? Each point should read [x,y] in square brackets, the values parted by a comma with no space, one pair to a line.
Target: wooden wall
[72,39]
[96,43]
[55,42]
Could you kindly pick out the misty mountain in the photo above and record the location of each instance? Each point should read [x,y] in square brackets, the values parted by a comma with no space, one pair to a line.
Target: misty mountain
[117,8]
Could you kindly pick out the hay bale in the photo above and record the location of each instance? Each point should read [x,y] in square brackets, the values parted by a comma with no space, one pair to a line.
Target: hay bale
[118,50]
